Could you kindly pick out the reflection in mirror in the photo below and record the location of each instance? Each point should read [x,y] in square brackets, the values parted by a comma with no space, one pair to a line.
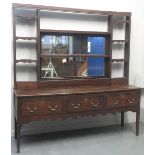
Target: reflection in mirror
[54,44]
[72,56]
[72,67]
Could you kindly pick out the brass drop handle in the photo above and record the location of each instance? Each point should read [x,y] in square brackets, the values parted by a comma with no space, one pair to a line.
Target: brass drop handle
[76,106]
[31,110]
[53,109]
[131,101]
[94,104]
[115,103]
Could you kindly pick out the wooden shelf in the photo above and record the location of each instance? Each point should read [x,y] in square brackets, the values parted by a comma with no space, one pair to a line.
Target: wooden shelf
[118,60]
[120,21]
[26,38]
[26,61]
[75,55]
[74,32]
[119,41]
[26,16]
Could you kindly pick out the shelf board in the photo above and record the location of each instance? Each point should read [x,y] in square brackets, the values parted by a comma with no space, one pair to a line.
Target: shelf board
[26,16]
[75,55]
[119,41]
[74,32]
[26,61]
[118,60]
[26,38]
[118,21]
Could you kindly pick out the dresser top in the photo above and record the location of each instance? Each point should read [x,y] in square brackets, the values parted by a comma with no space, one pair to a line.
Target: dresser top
[72,90]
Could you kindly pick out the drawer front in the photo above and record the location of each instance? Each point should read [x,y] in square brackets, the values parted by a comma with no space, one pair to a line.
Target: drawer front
[122,100]
[41,107]
[79,104]
[131,99]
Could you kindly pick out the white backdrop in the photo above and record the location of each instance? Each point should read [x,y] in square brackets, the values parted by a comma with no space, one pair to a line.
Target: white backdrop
[136,59]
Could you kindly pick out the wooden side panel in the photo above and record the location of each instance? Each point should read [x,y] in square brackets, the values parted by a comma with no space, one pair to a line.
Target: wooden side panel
[38,43]
[14,45]
[119,81]
[62,83]
[74,83]
[127,47]
[27,85]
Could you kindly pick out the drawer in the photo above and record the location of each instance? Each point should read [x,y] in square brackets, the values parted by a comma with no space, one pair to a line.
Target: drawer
[122,100]
[131,99]
[88,103]
[42,107]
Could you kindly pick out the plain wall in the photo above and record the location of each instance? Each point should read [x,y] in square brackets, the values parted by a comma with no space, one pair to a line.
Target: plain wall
[136,59]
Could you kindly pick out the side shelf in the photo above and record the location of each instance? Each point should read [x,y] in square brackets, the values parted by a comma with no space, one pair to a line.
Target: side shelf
[26,61]
[26,38]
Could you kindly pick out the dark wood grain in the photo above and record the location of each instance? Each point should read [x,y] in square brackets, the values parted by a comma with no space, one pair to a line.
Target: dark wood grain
[119,81]
[76,115]
[27,85]
[38,46]
[122,119]
[73,10]
[75,55]
[68,82]
[127,47]
[72,90]
[42,106]
[108,63]
[73,32]
[14,45]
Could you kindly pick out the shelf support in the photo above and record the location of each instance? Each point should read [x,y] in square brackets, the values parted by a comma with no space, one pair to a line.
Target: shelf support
[38,46]
[109,48]
[14,44]
[127,47]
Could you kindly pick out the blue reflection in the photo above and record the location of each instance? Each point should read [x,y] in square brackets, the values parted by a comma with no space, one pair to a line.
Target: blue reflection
[96,64]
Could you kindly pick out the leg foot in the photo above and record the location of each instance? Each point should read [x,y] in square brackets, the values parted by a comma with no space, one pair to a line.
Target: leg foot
[122,119]
[137,122]
[15,128]
[18,138]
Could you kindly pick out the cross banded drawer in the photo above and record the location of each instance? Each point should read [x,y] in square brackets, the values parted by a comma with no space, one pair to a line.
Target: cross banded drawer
[88,103]
[41,107]
[121,100]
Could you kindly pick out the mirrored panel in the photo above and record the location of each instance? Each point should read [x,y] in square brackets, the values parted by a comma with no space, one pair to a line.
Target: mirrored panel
[72,56]
[62,67]
[56,67]
[56,44]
